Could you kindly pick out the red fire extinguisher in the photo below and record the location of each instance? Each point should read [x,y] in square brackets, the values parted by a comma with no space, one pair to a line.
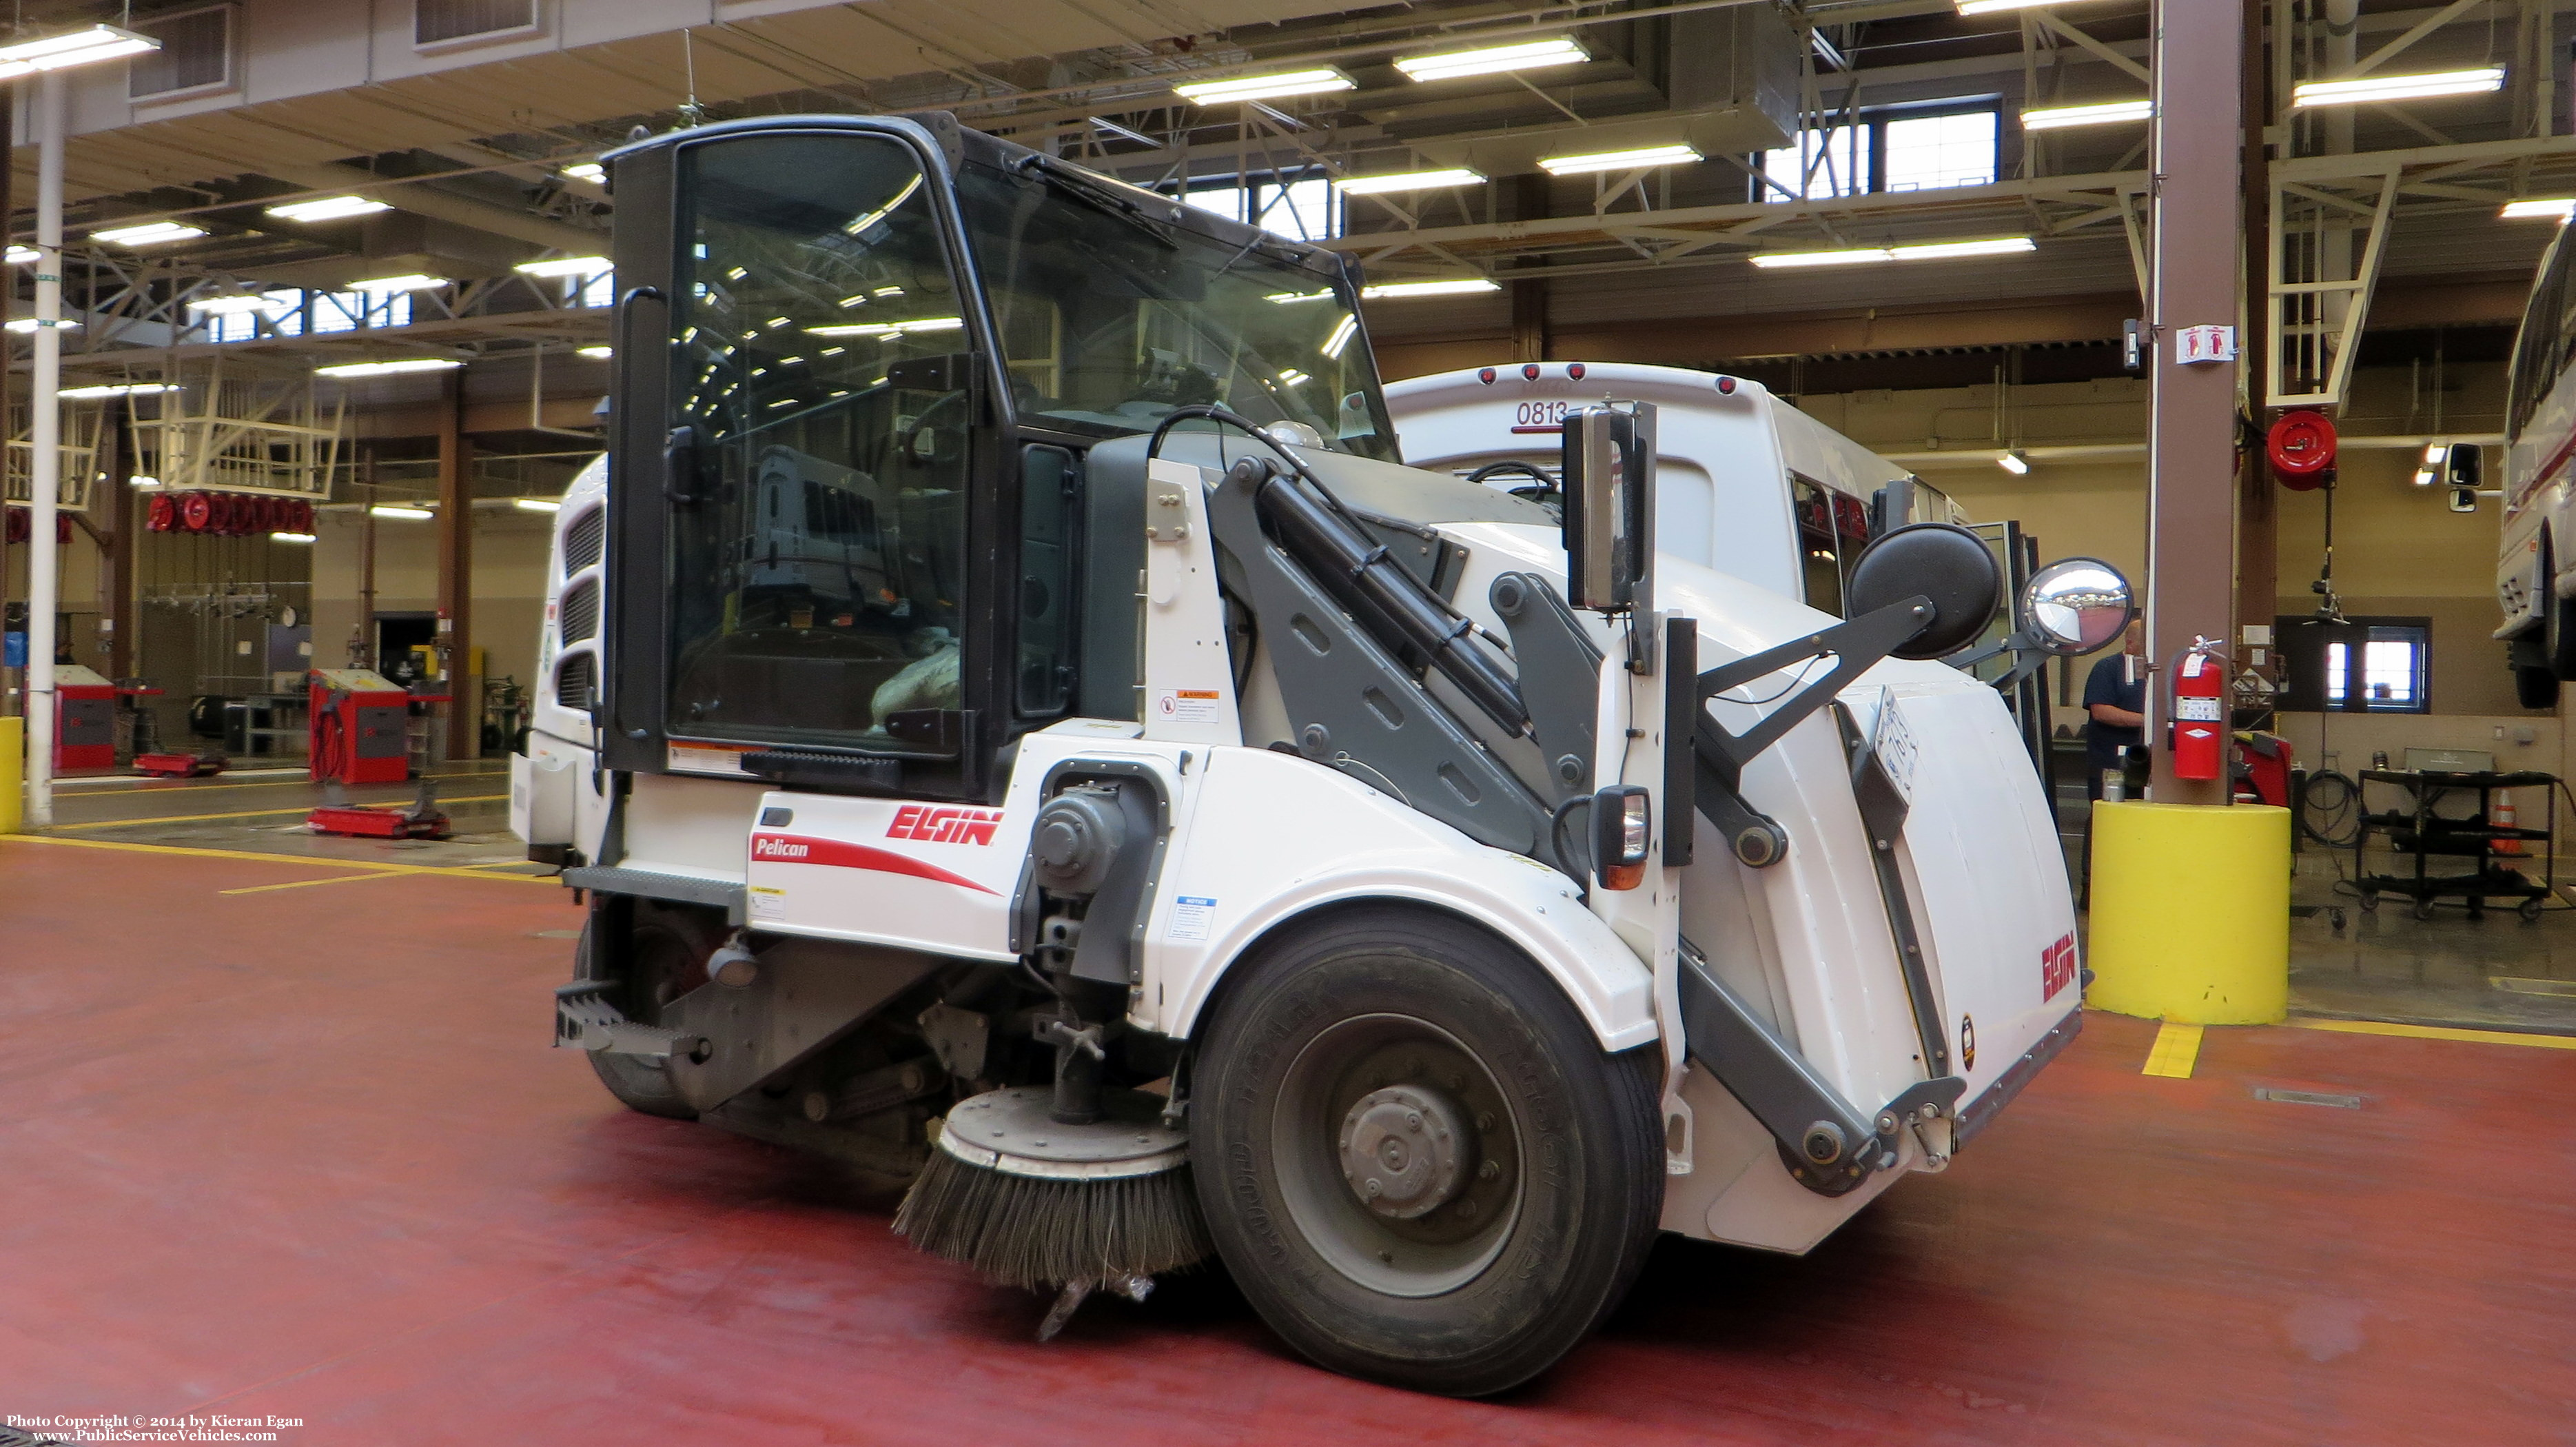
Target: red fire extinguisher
[2197,731]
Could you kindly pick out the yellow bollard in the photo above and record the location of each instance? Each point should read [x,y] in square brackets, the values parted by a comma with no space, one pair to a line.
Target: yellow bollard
[13,773]
[2191,912]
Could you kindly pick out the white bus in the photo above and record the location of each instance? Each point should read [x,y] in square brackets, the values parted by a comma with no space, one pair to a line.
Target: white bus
[2536,560]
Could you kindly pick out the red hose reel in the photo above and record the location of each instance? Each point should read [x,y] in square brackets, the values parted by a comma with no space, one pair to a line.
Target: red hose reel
[227,514]
[2301,447]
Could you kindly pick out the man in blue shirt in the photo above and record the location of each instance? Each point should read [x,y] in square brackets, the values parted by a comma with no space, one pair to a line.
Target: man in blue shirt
[2115,707]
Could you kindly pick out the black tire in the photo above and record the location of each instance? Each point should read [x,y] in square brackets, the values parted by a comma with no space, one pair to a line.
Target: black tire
[669,958]
[2558,636]
[1502,1272]
[2535,687]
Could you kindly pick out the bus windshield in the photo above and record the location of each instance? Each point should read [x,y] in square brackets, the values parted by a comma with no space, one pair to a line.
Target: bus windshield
[1109,320]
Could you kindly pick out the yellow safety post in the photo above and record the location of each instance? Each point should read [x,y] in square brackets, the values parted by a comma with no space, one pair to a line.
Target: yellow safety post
[2191,912]
[13,774]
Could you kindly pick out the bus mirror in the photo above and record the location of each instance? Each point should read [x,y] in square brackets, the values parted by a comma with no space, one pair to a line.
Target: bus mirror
[2075,606]
[2464,499]
[1608,481]
[2461,467]
[1946,564]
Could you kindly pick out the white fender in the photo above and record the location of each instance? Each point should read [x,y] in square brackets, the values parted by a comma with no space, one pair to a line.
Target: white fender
[1269,836]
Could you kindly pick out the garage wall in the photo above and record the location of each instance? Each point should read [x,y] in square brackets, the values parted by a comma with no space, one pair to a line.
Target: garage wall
[509,582]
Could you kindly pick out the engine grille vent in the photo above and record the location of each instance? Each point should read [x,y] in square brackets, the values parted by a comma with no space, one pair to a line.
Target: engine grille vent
[573,679]
[586,541]
[579,616]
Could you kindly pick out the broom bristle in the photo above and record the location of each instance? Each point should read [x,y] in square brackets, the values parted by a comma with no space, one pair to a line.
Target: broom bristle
[1041,1232]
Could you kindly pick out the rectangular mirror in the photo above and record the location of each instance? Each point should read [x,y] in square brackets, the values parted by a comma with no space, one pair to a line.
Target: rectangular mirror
[1608,478]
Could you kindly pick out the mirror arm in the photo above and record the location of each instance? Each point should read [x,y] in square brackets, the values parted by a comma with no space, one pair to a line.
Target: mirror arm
[1857,645]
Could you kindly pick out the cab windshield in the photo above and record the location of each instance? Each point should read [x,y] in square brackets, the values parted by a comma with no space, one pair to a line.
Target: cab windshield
[1109,320]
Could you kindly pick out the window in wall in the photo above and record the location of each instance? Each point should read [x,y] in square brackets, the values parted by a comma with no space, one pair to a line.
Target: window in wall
[283,316]
[1912,148]
[1304,210]
[347,311]
[600,290]
[2364,665]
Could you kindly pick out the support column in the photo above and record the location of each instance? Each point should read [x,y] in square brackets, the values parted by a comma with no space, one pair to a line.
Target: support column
[2195,238]
[2258,584]
[1530,339]
[45,465]
[116,548]
[362,648]
[456,574]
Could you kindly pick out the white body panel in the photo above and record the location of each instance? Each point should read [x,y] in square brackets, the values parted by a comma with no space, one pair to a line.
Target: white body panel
[1260,837]
[2536,552]
[1723,459]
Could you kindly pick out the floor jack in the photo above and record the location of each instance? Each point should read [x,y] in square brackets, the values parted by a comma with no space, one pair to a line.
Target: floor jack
[421,819]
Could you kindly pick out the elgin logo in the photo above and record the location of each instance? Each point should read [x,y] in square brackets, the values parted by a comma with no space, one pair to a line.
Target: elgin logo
[936,825]
[2057,967]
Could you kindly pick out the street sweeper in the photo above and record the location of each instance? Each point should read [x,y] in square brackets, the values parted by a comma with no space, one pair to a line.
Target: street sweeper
[1018,730]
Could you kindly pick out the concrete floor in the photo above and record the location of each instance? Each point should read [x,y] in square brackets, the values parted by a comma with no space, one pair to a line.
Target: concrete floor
[272,1157]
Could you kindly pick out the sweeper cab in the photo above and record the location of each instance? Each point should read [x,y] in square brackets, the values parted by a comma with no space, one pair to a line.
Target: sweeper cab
[1021,732]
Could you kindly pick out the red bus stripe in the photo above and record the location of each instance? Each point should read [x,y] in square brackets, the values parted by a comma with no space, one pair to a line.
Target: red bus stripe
[841,854]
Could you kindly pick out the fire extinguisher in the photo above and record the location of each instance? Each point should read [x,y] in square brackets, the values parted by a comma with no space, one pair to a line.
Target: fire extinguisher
[2197,729]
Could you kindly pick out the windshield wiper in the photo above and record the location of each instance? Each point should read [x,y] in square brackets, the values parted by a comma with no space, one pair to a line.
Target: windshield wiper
[1076,187]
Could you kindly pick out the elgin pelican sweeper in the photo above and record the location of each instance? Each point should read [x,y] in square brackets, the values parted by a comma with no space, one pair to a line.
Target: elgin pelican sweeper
[1022,731]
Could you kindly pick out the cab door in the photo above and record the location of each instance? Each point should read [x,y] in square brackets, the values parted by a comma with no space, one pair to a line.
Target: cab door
[807,463]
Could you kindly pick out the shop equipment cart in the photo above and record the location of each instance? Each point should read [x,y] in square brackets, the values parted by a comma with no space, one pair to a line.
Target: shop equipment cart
[2417,830]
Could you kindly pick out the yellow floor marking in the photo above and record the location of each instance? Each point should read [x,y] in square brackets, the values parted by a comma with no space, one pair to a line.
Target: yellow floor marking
[308,860]
[2440,1032]
[2176,1050]
[164,786]
[334,879]
[243,814]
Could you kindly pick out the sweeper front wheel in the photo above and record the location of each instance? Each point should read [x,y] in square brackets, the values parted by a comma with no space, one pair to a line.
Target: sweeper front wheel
[1414,1156]
[666,959]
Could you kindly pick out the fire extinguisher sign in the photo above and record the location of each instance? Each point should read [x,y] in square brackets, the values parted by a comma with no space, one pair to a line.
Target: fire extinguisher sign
[2196,710]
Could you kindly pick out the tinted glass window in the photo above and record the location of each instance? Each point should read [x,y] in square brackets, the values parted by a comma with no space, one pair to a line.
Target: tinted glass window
[818,569]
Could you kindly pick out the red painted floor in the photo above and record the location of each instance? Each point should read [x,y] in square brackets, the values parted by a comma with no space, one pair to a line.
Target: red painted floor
[256,1164]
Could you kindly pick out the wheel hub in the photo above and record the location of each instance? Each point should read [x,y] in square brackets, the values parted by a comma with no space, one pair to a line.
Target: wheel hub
[1404,1151]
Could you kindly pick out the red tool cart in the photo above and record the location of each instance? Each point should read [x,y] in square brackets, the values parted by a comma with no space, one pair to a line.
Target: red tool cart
[84,720]
[357,717]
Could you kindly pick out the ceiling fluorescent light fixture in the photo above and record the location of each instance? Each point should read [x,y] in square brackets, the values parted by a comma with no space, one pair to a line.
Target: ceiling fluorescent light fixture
[1638,159]
[1944,250]
[150,233]
[1408,181]
[2014,462]
[329,208]
[2058,118]
[409,514]
[2555,208]
[888,329]
[388,369]
[1400,290]
[563,266]
[1264,87]
[536,504]
[78,47]
[23,325]
[1988,7]
[388,285]
[221,306]
[115,389]
[596,354]
[2373,88]
[1492,59]
[591,171]
[23,255]
[1848,256]
[290,537]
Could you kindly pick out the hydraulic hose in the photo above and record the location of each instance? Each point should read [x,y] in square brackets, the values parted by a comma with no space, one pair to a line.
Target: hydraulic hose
[1380,595]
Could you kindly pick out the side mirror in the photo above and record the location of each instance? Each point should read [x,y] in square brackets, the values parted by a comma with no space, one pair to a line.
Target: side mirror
[2464,499]
[2463,465]
[1945,563]
[2076,605]
[1608,481]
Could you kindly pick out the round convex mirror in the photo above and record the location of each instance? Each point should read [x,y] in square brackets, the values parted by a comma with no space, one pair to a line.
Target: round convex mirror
[2076,605]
